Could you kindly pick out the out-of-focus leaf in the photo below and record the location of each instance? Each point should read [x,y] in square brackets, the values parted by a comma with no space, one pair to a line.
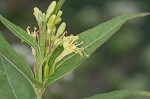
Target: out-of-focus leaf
[17,31]
[13,85]
[122,94]
[92,39]
[16,60]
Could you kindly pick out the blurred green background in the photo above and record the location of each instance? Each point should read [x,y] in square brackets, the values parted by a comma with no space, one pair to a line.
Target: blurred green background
[123,62]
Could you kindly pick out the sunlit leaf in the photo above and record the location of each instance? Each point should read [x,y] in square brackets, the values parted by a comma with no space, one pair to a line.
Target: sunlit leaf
[92,39]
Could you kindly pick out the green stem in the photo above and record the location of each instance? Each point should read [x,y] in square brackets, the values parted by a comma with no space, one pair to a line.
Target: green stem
[39,93]
[39,96]
[40,74]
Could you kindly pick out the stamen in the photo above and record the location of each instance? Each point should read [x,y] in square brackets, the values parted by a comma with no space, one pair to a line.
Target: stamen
[73,40]
[86,54]
[61,36]
[79,44]
[35,30]
[28,31]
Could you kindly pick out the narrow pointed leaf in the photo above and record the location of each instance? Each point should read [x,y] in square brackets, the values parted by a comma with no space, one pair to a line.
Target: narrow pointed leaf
[122,94]
[92,39]
[16,60]
[19,32]
[13,85]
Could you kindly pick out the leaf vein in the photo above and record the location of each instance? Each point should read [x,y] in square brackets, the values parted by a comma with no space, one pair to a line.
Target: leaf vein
[9,80]
[92,42]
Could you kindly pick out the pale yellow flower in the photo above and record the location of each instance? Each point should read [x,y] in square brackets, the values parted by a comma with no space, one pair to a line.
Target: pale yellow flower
[70,45]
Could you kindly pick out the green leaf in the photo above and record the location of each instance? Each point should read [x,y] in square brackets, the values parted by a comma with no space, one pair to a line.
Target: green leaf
[56,53]
[92,39]
[12,84]
[16,60]
[17,31]
[122,94]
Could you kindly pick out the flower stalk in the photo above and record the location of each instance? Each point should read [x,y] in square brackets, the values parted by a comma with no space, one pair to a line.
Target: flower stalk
[49,37]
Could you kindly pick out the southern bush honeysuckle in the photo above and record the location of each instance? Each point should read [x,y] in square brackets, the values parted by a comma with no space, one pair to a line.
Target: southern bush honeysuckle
[53,39]
[54,53]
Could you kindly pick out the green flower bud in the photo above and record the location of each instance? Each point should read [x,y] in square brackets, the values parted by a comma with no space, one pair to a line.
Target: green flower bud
[59,14]
[58,21]
[53,29]
[61,29]
[36,12]
[51,21]
[50,9]
[46,71]
[38,15]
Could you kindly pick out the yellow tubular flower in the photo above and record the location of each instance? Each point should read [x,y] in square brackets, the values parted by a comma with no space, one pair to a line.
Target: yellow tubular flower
[70,46]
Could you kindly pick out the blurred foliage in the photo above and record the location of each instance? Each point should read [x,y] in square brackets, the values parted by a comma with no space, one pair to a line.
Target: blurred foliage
[121,63]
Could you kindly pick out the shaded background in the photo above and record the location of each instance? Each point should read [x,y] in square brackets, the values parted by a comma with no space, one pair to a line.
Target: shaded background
[123,62]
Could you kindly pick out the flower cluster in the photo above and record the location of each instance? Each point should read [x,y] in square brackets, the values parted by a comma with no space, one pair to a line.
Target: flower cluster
[51,37]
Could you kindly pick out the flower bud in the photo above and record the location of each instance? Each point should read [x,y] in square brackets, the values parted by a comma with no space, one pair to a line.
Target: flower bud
[50,9]
[59,14]
[46,71]
[58,21]
[61,29]
[51,21]
[53,29]
[36,12]
[38,15]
